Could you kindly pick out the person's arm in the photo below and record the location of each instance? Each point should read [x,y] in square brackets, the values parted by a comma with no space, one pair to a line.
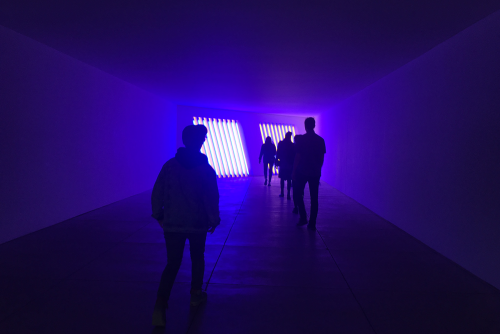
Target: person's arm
[157,197]
[324,152]
[278,154]
[211,201]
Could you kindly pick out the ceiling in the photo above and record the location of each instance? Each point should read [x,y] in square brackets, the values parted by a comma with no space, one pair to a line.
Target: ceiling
[291,57]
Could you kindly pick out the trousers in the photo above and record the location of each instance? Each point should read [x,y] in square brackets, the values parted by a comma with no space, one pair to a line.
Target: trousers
[175,243]
[299,184]
[270,164]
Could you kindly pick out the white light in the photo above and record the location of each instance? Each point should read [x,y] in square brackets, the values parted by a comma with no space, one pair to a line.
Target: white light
[234,148]
[234,143]
[262,133]
[220,154]
[241,147]
[230,151]
[224,147]
[212,149]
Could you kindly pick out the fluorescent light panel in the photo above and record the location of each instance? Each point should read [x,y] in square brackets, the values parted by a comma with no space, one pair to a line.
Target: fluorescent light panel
[224,147]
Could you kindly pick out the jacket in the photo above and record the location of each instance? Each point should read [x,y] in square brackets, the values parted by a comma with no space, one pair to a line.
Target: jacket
[185,195]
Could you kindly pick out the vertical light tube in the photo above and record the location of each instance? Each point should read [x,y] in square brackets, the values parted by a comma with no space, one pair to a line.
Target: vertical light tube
[241,157]
[212,149]
[283,131]
[262,133]
[224,148]
[241,148]
[234,148]
[205,149]
[275,140]
[273,132]
[280,131]
[218,146]
[195,122]
[293,130]
[229,147]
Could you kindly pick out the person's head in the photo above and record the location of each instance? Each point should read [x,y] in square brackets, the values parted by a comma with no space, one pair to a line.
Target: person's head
[269,140]
[310,124]
[193,136]
[288,136]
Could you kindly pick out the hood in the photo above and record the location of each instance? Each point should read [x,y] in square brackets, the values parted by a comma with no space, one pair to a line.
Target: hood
[189,158]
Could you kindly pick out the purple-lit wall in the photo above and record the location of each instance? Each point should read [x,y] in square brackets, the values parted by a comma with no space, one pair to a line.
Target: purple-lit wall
[421,148]
[249,122]
[72,138]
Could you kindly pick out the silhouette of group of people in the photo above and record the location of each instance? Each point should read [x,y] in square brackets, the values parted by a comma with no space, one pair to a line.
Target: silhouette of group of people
[185,200]
[300,163]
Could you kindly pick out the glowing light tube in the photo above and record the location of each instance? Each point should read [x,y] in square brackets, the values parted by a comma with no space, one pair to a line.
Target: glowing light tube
[241,148]
[229,148]
[262,133]
[213,128]
[234,148]
[212,149]
[224,147]
[241,156]
[277,133]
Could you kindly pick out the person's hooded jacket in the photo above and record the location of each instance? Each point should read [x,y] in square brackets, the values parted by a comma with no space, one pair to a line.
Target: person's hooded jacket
[185,195]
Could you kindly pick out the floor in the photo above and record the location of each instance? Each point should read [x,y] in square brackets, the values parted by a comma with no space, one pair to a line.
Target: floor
[98,273]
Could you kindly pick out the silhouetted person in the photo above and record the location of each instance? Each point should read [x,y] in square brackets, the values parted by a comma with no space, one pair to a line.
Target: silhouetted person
[185,202]
[309,158]
[285,157]
[268,151]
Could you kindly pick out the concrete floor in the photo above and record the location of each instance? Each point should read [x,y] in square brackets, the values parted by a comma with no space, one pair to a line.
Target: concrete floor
[98,273]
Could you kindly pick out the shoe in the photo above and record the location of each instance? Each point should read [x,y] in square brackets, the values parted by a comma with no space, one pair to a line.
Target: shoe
[198,297]
[302,222]
[311,227]
[288,196]
[159,318]
[281,195]
[269,184]
[265,182]
[295,210]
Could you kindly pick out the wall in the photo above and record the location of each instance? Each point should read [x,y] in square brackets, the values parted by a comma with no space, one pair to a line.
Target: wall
[249,122]
[72,138]
[421,148]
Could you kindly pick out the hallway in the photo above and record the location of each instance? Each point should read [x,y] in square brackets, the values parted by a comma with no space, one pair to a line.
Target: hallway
[98,273]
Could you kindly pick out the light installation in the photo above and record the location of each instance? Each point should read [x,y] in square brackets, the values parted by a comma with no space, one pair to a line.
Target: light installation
[277,133]
[224,147]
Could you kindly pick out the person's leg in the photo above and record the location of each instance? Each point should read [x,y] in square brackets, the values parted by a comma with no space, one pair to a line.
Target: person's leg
[282,185]
[265,172]
[298,196]
[314,192]
[288,183]
[175,248]
[197,252]
[270,173]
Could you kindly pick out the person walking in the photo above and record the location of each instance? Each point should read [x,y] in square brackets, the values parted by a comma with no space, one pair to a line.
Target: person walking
[309,158]
[268,151]
[285,157]
[185,202]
